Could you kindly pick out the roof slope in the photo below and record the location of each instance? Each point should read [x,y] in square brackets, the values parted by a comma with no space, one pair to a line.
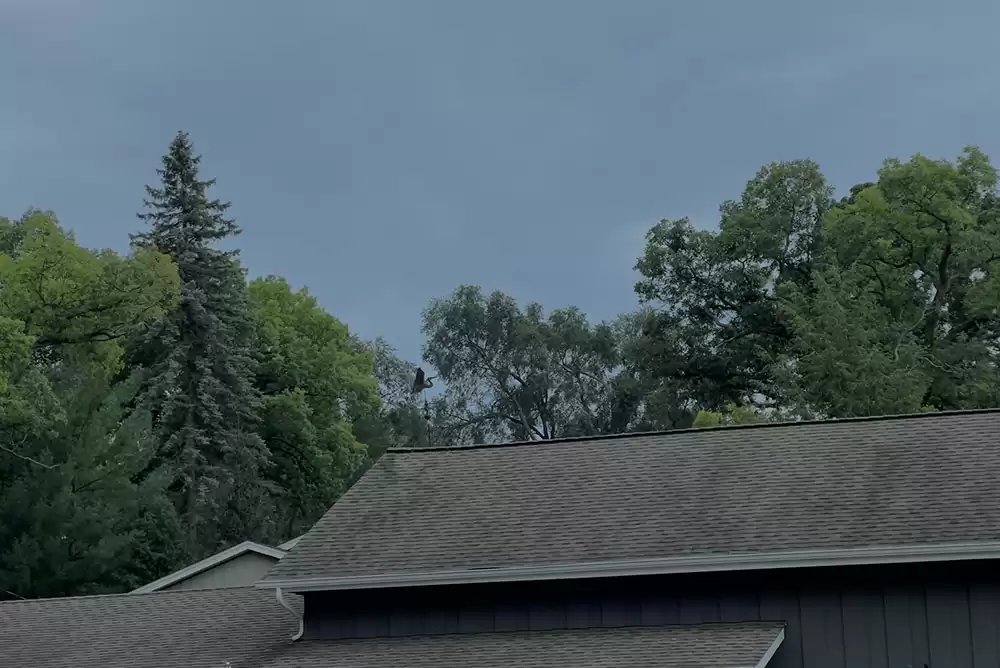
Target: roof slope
[183,629]
[747,645]
[852,484]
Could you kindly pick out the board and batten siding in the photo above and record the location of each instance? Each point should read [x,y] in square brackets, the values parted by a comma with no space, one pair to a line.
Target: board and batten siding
[901,616]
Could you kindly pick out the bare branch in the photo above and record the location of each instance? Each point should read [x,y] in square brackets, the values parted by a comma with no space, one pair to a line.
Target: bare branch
[26,457]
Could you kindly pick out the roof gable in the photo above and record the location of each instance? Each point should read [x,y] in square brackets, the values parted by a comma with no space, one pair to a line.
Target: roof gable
[208,563]
[853,491]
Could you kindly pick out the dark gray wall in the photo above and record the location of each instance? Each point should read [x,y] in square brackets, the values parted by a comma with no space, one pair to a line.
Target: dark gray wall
[940,616]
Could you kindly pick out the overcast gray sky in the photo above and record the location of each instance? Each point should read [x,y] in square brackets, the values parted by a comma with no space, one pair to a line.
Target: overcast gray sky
[382,152]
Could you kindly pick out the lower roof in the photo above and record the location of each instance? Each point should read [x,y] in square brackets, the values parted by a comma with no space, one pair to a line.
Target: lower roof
[170,629]
[238,628]
[746,645]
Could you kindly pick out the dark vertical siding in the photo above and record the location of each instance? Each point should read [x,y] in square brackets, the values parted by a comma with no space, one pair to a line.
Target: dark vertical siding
[582,613]
[984,614]
[739,606]
[939,616]
[512,616]
[864,625]
[475,617]
[781,603]
[948,625]
[821,616]
[617,611]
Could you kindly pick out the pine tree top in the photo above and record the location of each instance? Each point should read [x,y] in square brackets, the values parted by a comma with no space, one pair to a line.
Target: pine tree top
[180,214]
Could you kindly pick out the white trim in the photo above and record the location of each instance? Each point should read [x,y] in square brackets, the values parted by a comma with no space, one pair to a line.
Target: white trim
[210,562]
[769,654]
[656,566]
[289,544]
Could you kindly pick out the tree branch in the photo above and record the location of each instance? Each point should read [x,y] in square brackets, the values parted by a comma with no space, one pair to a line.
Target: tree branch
[26,457]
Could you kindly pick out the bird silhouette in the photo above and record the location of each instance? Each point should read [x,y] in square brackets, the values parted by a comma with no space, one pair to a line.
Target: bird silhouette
[421,382]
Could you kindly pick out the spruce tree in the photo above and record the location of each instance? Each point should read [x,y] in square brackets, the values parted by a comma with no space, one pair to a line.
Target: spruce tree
[197,364]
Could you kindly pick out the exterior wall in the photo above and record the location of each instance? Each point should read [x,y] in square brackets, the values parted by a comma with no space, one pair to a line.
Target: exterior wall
[241,571]
[903,616]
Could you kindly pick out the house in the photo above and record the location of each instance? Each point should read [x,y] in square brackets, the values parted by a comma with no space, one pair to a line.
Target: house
[863,542]
[238,566]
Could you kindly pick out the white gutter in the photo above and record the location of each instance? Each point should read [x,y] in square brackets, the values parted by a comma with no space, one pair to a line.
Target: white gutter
[281,599]
[655,566]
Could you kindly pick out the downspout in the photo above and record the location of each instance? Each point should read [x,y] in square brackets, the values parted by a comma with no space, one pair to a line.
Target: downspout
[281,599]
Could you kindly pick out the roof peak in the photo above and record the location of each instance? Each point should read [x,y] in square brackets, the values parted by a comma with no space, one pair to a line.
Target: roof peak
[688,430]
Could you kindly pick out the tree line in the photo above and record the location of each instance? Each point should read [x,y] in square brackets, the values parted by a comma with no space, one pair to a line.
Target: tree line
[156,407]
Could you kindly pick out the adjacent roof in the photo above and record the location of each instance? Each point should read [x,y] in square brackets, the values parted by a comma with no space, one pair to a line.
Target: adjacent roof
[908,488]
[749,645]
[233,552]
[172,629]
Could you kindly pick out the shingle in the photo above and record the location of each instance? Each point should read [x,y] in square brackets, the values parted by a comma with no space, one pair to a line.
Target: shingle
[182,629]
[696,646]
[915,480]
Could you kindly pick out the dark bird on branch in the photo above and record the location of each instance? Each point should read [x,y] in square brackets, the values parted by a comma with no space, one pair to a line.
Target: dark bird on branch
[421,383]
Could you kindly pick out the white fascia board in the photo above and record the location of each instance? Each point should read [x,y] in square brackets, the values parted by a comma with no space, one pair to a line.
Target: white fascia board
[656,566]
[769,654]
[289,544]
[209,562]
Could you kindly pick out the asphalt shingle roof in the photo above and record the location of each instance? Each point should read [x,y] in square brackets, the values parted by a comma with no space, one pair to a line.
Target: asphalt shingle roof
[913,480]
[172,629]
[698,646]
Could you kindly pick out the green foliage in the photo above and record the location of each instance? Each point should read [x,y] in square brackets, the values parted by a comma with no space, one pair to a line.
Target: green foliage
[76,525]
[71,299]
[316,384]
[71,518]
[848,358]
[519,374]
[732,415]
[715,325]
[883,302]
[196,365]
[399,419]
[903,312]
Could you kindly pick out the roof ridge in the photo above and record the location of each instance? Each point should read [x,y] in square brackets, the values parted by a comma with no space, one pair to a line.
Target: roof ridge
[688,430]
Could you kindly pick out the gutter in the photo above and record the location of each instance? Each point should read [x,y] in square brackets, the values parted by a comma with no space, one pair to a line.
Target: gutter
[656,566]
[279,594]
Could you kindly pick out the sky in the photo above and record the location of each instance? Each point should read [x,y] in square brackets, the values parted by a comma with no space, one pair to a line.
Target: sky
[382,152]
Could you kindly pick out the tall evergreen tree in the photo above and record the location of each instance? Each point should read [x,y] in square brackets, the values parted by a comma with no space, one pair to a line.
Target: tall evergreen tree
[197,363]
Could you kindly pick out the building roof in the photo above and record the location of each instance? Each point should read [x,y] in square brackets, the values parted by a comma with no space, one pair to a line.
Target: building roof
[172,629]
[237,628]
[208,563]
[747,645]
[907,488]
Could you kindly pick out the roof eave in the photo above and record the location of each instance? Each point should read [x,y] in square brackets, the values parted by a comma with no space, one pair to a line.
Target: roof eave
[657,566]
